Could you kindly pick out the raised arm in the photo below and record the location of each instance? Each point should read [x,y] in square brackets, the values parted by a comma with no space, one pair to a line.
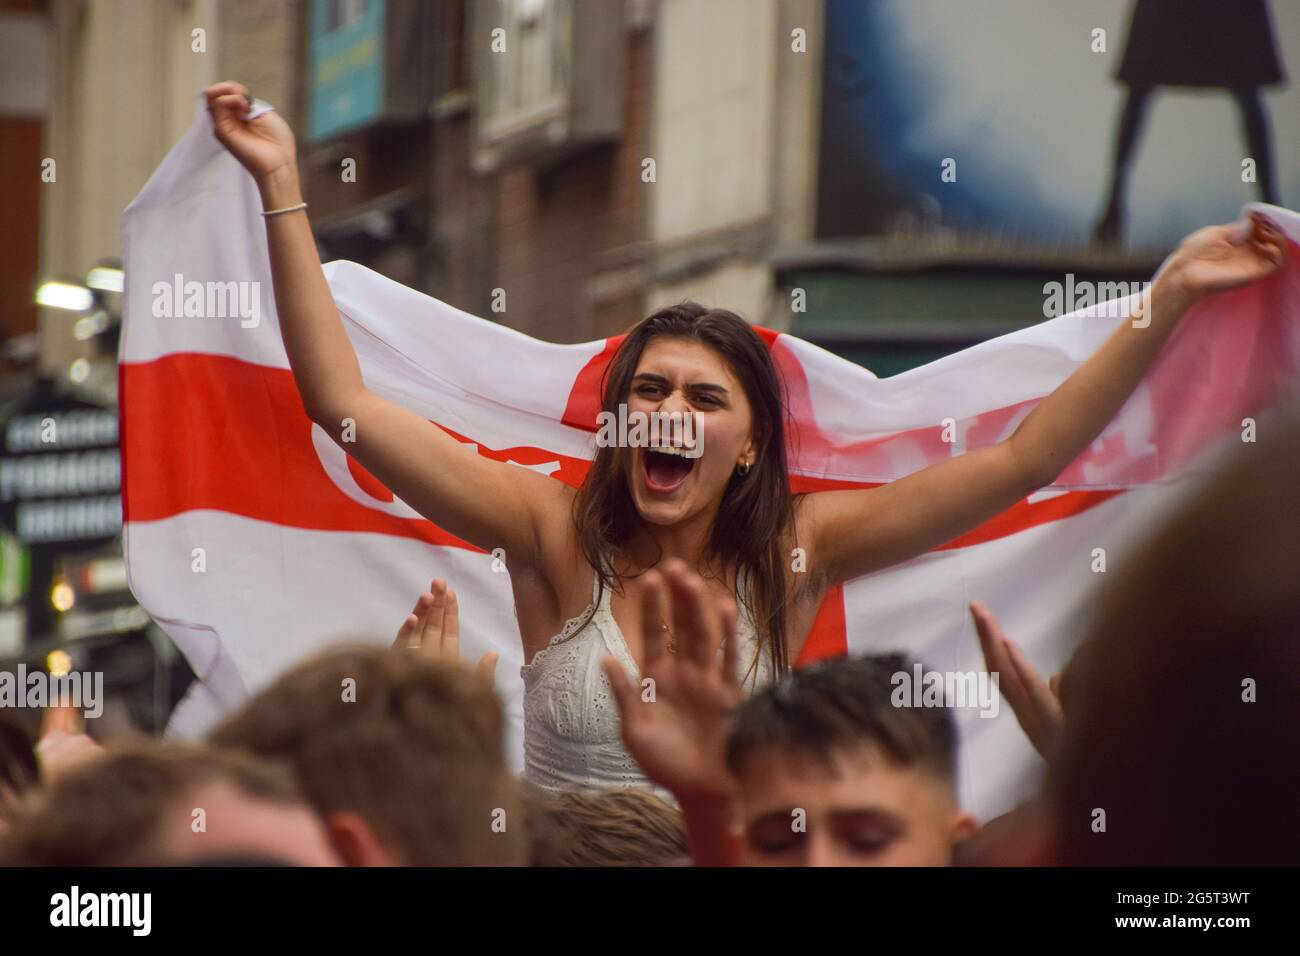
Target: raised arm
[859,531]
[490,504]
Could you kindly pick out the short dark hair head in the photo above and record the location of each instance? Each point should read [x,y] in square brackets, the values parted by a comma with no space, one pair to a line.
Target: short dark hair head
[843,705]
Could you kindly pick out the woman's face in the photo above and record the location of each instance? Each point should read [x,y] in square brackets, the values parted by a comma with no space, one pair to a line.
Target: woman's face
[684,376]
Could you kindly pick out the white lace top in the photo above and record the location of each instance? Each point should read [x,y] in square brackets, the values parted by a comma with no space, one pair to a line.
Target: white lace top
[571,720]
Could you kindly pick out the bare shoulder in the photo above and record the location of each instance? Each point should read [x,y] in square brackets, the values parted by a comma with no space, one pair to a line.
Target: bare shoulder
[557,543]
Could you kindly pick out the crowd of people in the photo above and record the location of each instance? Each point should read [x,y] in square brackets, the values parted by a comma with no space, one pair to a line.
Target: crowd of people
[1173,721]
[663,722]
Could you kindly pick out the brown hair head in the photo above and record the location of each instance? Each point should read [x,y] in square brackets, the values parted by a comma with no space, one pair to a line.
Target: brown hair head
[756,510]
[108,811]
[18,768]
[413,746]
[1184,702]
[614,827]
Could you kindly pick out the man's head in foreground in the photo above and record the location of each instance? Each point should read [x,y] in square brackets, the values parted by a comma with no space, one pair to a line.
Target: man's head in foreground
[402,756]
[167,804]
[1183,712]
[19,771]
[831,773]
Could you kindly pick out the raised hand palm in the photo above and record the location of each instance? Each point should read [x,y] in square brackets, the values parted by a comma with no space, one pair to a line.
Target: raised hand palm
[676,722]
[680,733]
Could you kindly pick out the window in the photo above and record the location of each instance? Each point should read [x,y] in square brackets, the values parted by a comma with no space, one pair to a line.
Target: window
[548,76]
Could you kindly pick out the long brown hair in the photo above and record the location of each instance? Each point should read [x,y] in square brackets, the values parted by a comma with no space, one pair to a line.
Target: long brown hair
[756,509]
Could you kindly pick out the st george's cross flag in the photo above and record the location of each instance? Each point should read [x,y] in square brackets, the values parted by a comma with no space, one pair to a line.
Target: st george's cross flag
[255,541]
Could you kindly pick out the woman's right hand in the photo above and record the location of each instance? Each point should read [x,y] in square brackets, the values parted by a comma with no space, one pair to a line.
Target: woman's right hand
[263,146]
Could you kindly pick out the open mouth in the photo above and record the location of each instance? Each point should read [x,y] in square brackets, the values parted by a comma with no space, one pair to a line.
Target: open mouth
[665,468]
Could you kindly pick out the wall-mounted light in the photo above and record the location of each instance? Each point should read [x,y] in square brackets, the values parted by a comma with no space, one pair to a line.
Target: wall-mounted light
[106,279]
[64,295]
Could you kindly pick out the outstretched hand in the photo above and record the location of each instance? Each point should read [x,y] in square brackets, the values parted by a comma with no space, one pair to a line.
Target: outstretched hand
[1213,259]
[675,724]
[1037,705]
[433,629]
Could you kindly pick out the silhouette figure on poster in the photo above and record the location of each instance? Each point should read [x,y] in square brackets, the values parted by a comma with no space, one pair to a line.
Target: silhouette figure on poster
[1195,43]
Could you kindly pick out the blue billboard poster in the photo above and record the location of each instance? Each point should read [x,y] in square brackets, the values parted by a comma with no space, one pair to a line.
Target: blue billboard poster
[1119,124]
[345,82]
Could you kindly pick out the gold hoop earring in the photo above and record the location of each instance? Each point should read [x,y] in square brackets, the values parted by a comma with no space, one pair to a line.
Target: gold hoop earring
[744,468]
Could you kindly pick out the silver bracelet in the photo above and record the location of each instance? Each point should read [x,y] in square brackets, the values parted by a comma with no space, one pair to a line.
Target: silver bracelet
[276,212]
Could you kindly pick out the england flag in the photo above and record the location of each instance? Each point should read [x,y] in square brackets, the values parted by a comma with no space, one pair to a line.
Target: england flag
[254,540]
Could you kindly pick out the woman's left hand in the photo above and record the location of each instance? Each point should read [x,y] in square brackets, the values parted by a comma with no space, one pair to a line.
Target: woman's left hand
[1208,260]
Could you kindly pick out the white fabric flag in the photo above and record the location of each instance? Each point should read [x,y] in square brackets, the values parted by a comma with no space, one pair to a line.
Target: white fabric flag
[255,541]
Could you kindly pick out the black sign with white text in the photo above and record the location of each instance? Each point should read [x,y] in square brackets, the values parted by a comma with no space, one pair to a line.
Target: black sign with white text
[60,472]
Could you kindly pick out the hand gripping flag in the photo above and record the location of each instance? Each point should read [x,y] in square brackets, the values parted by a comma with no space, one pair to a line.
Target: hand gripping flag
[254,540]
